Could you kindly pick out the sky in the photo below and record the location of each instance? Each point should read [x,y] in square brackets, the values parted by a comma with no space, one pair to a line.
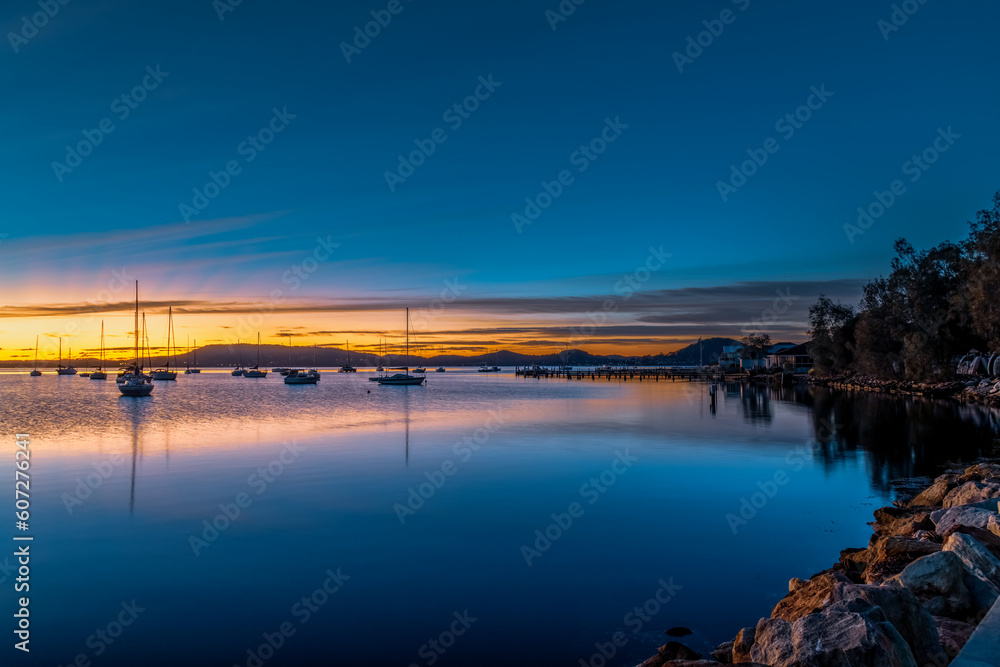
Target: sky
[524,175]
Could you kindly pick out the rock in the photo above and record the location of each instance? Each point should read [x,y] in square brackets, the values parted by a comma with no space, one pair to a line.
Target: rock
[975,517]
[842,635]
[971,492]
[678,632]
[934,494]
[954,634]
[889,555]
[937,581]
[678,651]
[723,652]
[743,643]
[658,661]
[811,597]
[982,569]
[980,472]
[994,525]
[903,525]
[902,609]
[984,537]
[795,584]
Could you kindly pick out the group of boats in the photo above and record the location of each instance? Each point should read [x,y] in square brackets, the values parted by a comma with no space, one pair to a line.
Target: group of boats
[133,381]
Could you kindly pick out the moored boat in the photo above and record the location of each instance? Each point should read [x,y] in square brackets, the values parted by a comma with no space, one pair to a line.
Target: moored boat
[133,382]
[403,378]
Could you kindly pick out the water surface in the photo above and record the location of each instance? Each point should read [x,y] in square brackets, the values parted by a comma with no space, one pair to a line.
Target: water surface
[657,480]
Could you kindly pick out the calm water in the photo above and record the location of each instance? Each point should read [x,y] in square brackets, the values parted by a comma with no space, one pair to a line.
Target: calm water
[819,463]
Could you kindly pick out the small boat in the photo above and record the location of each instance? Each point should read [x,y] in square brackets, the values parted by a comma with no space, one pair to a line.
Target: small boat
[419,369]
[296,376]
[35,373]
[99,374]
[85,375]
[254,371]
[65,370]
[239,362]
[404,378]
[166,373]
[189,370]
[348,368]
[133,382]
[439,369]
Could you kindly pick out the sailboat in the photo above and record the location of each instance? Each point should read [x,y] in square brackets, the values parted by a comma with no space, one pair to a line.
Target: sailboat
[35,373]
[166,373]
[135,384]
[189,370]
[255,372]
[286,370]
[239,362]
[381,354]
[348,368]
[403,378]
[64,370]
[99,374]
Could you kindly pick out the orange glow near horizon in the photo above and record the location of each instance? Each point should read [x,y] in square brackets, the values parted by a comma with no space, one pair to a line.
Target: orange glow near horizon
[81,334]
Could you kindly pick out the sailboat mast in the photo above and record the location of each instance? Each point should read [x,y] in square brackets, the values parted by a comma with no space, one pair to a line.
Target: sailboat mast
[136,330]
[407,339]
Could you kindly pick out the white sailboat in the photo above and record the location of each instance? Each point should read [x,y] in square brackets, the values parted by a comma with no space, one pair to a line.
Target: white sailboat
[404,378]
[255,372]
[134,383]
[166,373]
[99,374]
[65,370]
[189,370]
[35,373]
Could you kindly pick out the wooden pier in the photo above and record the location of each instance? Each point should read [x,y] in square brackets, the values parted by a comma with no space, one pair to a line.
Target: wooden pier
[649,374]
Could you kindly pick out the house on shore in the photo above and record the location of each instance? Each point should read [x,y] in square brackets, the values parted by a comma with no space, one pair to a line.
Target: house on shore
[797,357]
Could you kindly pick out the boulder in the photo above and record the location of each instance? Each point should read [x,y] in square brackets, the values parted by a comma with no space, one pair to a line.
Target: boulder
[975,517]
[889,555]
[934,494]
[984,537]
[904,525]
[994,525]
[980,472]
[901,608]
[678,651]
[982,569]
[808,598]
[743,643]
[937,581]
[842,635]
[954,634]
[723,652]
[971,492]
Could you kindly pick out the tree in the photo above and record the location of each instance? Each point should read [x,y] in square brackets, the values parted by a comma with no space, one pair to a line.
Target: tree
[755,345]
[831,328]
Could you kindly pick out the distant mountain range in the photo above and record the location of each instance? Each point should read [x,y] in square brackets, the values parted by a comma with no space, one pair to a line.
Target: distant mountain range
[326,357]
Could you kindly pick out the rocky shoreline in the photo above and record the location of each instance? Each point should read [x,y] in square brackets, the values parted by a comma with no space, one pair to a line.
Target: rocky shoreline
[911,598]
[983,390]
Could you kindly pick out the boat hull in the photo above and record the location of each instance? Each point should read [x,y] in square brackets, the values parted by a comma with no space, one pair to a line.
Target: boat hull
[98,375]
[164,375]
[401,380]
[255,374]
[35,374]
[66,371]
[135,389]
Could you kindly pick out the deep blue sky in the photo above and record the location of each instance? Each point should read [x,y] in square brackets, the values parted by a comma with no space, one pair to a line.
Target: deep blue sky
[324,174]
